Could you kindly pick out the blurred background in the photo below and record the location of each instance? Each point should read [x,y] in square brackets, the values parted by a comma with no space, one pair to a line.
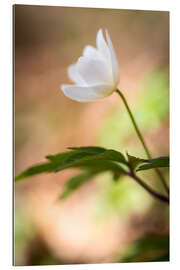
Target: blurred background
[103,221]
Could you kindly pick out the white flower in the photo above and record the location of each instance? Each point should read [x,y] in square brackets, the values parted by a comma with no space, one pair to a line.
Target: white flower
[95,74]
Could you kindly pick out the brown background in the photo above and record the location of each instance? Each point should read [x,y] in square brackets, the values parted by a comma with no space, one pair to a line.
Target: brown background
[46,41]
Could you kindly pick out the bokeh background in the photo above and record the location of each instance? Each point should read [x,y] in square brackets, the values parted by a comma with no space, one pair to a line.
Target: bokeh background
[103,221]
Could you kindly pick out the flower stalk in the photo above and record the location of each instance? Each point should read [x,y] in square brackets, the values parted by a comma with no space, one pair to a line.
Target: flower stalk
[141,138]
[96,75]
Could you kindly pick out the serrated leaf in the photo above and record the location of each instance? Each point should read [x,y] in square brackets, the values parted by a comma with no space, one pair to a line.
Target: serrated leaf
[134,161]
[93,149]
[50,166]
[101,166]
[78,158]
[75,182]
[90,157]
[36,169]
[79,151]
[114,155]
[106,153]
[161,161]
[93,167]
[155,163]
[60,157]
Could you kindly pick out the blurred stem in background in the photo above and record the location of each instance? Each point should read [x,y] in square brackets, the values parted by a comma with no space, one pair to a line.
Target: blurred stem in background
[141,138]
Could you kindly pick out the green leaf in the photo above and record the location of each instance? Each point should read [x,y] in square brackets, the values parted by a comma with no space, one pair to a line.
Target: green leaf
[103,166]
[155,163]
[37,169]
[78,158]
[61,157]
[44,167]
[134,161]
[75,182]
[76,154]
[93,149]
[114,156]
[93,168]
[91,165]
[99,164]
[105,153]
[94,158]
[148,249]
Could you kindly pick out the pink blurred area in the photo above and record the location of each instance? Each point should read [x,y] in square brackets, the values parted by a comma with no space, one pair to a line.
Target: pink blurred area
[46,41]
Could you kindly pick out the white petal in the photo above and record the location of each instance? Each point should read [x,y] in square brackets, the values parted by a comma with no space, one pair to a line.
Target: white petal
[114,63]
[103,47]
[85,93]
[94,71]
[74,75]
[91,52]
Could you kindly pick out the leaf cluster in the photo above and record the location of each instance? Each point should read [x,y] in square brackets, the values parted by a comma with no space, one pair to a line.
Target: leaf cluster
[92,160]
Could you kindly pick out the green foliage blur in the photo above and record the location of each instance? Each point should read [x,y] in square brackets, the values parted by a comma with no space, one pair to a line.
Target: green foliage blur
[151,111]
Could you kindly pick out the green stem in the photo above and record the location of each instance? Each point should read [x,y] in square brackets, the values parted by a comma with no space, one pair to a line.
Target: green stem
[141,138]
